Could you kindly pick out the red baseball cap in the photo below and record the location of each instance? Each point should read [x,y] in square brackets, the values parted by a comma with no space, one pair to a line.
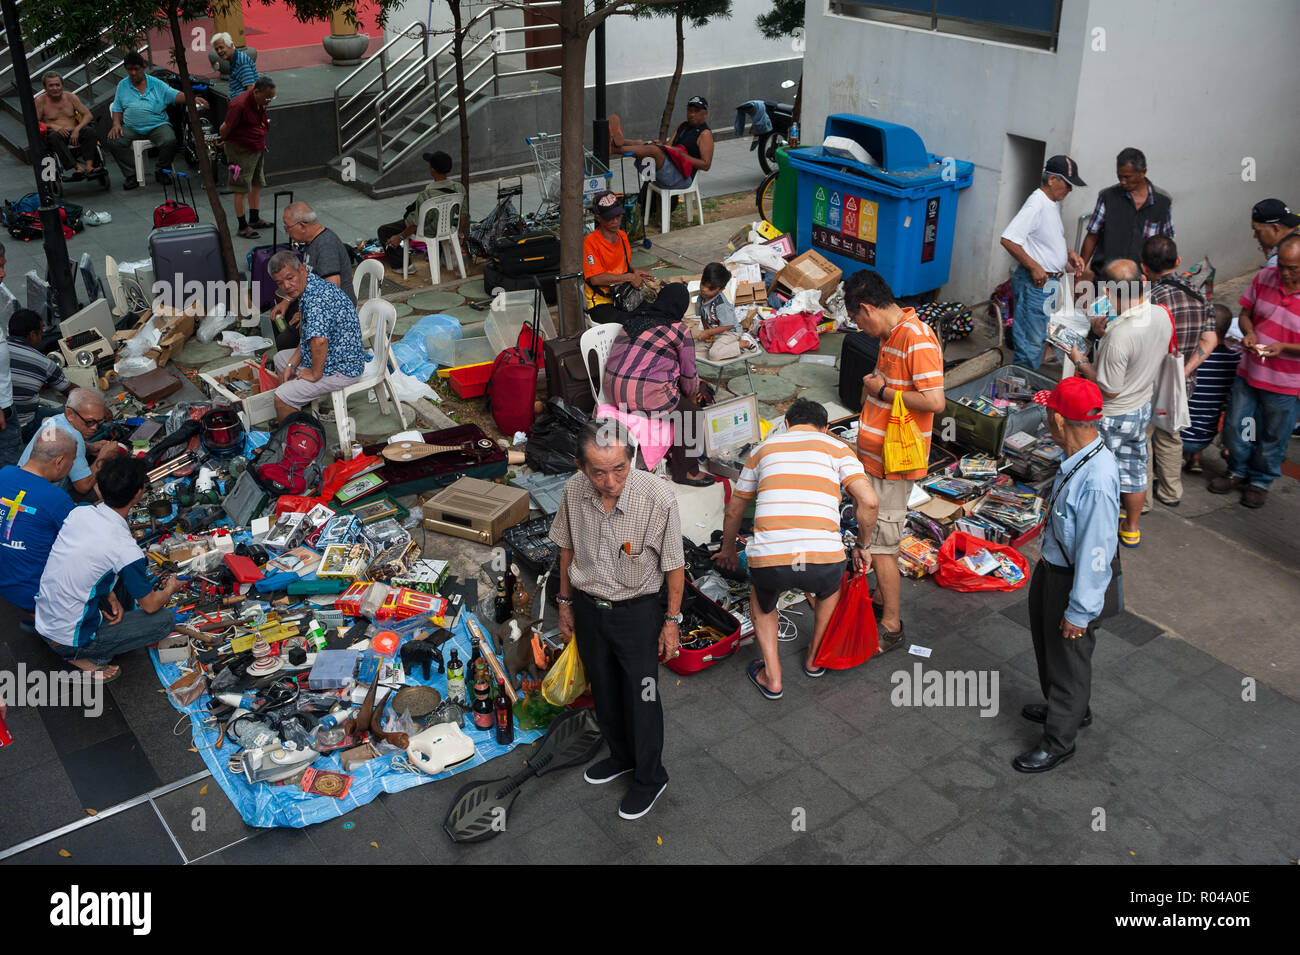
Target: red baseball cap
[1077,399]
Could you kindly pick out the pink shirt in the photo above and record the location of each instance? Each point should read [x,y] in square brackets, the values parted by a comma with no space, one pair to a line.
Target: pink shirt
[1276,316]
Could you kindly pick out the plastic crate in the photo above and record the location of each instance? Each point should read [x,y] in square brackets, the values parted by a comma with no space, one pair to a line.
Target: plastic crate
[470,381]
[502,327]
[458,351]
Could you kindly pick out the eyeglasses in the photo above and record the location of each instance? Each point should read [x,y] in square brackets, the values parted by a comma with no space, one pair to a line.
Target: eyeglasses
[91,422]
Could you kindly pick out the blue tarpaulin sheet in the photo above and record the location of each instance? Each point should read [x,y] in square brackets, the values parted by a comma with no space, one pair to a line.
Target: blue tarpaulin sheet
[268,805]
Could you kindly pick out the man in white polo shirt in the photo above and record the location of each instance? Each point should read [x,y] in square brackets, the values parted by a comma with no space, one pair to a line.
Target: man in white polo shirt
[94,550]
[1036,240]
[796,479]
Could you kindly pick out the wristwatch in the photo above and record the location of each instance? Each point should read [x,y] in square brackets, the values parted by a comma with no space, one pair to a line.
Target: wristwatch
[564,601]
[881,393]
[676,618]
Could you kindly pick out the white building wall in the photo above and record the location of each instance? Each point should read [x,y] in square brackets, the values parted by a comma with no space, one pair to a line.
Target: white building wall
[1201,88]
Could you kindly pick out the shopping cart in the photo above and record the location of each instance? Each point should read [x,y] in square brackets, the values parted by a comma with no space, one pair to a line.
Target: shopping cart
[546,154]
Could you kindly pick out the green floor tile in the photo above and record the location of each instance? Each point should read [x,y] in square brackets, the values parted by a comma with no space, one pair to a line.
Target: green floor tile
[766,360]
[809,375]
[767,387]
[429,302]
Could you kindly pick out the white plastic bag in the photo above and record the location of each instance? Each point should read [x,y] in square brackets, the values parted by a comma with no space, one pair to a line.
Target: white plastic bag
[803,300]
[146,338]
[214,322]
[410,389]
[244,344]
[764,256]
[136,365]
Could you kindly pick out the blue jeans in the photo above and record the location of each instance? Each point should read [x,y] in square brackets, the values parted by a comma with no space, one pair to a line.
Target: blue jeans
[1267,419]
[1032,307]
[137,629]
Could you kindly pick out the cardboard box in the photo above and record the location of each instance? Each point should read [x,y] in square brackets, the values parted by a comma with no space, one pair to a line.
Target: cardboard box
[253,406]
[475,509]
[751,293]
[810,271]
[177,328]
[785,245]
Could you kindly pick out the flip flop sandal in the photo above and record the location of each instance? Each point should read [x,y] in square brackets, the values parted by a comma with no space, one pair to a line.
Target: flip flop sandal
[1193,468]
[102,680]
[249,234]
[754,669]
[1130,538]
[815,672]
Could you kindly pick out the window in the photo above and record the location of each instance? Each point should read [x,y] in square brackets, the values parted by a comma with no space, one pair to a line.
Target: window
[1032,23]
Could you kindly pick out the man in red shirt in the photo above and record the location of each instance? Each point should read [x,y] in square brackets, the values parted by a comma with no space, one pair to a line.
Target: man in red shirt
[245,134]
[910,363]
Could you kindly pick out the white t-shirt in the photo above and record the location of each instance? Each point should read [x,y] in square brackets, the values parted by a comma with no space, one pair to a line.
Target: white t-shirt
[1129,356]
[1037,229]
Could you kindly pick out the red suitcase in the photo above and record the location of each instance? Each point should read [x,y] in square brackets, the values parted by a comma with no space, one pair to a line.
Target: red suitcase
[693,661]
[175,211]
[512,385]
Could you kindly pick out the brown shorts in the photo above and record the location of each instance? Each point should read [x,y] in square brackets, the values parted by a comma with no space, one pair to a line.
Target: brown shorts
[251,168]
[888,532]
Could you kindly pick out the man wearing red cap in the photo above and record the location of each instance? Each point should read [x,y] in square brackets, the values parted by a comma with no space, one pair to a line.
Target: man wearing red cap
[1069,584]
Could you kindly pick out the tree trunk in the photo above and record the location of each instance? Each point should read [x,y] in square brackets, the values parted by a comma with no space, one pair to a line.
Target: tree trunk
[573,68]
[798,102]
[462,108]
[666,122]
[205,167]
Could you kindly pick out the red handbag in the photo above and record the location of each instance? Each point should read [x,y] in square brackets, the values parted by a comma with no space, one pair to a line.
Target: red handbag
[790,334]
[851,637]
[955,575]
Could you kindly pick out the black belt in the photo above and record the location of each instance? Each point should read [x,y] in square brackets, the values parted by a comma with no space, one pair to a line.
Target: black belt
[1056,568]
[603,604]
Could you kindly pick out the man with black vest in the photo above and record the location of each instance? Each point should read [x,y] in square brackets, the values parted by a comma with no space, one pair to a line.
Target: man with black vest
[1127,214]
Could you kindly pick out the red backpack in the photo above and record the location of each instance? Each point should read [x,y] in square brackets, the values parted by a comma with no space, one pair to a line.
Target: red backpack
[293,460]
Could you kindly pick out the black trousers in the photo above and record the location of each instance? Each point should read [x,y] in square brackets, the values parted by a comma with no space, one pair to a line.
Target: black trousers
[606,313]
[620,653]
[684,455]
[1064,666]
[386,231]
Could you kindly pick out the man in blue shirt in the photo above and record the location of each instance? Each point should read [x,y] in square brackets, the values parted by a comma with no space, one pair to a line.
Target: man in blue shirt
[32,509]
[81,418]
[330,355]
[243,73]
[139,111]
[1068,588]
[94,550]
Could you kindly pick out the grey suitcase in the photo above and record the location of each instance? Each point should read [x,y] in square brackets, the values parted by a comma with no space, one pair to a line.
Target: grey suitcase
[187,261]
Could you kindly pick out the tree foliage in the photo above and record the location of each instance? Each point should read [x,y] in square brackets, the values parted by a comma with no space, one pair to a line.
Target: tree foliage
[698,13]
[783,19]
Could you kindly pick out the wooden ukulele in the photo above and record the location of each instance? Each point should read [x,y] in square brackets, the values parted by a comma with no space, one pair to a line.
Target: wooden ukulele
[415,450]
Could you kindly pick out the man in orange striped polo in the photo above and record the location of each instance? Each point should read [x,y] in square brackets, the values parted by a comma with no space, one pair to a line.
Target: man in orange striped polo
[910,362]
[796,480]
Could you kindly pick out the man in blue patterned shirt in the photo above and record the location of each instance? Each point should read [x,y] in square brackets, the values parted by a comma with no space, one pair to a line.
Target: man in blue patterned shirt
[1068,588]
[243,73]
[330,355]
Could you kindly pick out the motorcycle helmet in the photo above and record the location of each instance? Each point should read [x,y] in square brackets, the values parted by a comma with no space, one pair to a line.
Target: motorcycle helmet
[222,433]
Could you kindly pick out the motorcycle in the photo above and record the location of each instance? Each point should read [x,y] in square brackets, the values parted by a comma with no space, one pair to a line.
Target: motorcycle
[766,144]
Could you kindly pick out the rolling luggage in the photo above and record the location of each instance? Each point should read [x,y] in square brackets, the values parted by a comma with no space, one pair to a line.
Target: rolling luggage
[512,387]
[858,357]
[175,211]
[259,256]
[566,372]
[529,254]
[187,262]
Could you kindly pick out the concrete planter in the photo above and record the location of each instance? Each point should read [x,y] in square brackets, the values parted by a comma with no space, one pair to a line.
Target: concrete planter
[346,50]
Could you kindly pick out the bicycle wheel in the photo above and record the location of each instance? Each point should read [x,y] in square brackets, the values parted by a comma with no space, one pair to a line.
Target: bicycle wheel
[763,196]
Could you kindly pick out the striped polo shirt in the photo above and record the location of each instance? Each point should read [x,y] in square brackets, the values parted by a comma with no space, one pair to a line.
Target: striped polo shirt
[798,477]
[1275,314]
[911,360]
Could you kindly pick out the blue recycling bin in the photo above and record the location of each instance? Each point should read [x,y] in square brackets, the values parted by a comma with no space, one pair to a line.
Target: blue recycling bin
[897,217]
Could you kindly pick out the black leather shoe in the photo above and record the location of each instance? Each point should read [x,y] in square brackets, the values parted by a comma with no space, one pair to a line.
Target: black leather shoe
[1039,760]
[1037,713]
[703,480]
[130,183]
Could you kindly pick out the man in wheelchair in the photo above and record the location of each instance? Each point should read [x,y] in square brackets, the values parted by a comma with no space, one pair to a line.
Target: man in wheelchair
[69,131]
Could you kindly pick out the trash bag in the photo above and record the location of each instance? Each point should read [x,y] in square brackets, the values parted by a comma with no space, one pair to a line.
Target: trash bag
[566,680]
[904,444]
[851,637]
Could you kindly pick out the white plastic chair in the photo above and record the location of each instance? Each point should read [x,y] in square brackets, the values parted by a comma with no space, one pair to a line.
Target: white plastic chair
[373,270]
[140,147]
[377,320]
[448,207]
[113,282]
[594,345]
[666,197]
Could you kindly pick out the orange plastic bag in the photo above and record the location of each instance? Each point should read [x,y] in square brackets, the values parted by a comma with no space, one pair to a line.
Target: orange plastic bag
[851,638]
[904,444]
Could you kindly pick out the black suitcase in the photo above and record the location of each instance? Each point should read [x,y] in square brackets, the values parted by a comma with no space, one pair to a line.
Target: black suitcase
[495,278]
[183,255]
[532,253]
[858,357]
[260,255]
[566,372]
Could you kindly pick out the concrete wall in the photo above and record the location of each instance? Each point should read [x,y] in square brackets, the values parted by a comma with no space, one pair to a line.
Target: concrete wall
[962,96]
[1224,93]
[1196,85]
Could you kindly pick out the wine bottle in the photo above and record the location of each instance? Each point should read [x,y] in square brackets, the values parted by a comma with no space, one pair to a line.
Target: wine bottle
[505,717]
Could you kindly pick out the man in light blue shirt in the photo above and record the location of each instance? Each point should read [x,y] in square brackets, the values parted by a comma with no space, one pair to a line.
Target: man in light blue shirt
[1068,588]
[83,415]
[139,111]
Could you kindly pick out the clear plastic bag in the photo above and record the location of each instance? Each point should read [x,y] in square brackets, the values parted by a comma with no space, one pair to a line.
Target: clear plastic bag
[214,322]
[244,344]
[134,365]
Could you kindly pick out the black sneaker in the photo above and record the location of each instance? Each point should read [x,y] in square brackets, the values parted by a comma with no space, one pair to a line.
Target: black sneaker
[604,771]
[131,183]
[639,801]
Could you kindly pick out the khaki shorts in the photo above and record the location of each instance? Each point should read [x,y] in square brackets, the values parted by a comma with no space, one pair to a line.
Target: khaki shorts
[251,168]
[888,532]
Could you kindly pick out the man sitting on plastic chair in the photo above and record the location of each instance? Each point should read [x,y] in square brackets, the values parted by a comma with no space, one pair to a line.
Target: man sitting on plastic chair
[672,165]
[330,355]
[392,234]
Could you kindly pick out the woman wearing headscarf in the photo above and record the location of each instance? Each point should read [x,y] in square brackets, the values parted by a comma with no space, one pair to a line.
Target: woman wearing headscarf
[651,369]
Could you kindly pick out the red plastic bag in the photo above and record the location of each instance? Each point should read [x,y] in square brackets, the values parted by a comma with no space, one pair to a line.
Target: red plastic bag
[266,380]
[957,576]
[789,334]
[851,634]
[334,477]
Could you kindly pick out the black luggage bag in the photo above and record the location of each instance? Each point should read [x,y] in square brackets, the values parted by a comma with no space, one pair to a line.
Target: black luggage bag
[186,254]
[566,372]
[494,278]
[858,357]
[529,254]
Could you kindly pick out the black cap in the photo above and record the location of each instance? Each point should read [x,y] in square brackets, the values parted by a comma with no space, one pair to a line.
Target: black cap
[439,162]
[699,102]
[1066,168]
[606,205]
[1272,211]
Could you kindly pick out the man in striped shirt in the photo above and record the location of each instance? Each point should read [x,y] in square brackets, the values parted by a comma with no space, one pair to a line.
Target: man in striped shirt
[911,362]
[1265,398]
[795,480]
[32,371]
[243,73]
